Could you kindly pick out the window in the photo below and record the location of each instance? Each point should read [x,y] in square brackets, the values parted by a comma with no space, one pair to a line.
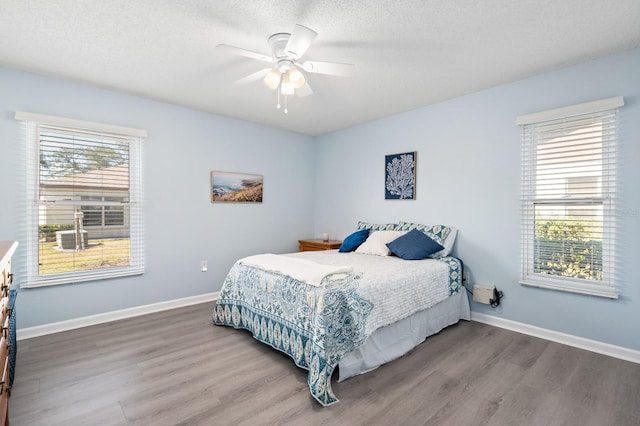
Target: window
[569,198]
[83,201]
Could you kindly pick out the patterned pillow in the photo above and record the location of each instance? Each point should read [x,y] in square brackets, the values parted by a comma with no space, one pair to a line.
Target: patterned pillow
[438,233]
[448,243]
[377,226]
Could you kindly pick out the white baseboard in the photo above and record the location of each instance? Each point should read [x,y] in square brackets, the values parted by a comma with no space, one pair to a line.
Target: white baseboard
[56,327]
[555,336]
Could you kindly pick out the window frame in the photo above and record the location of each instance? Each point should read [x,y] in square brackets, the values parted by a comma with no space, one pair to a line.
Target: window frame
[32,124]
[606,287]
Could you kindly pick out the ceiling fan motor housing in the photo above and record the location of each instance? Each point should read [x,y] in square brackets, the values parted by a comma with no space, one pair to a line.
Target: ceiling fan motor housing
[278,42]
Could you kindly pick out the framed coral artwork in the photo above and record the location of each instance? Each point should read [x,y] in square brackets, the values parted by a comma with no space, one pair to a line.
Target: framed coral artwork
[400,176]
[236,187]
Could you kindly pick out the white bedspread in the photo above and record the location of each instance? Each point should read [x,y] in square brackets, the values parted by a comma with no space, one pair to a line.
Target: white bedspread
[300,269]
[396,287]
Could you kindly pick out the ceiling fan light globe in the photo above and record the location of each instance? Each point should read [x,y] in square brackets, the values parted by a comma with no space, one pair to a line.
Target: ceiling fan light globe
[286,88]
[272,79]
[296,77]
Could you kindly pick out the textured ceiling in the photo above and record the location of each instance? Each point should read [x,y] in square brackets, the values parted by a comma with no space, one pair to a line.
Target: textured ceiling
[407,53]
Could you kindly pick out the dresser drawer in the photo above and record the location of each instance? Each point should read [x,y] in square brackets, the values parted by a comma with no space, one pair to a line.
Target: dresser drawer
[4,360]
[4,309]
[7,278]
[5,327]
[4,383]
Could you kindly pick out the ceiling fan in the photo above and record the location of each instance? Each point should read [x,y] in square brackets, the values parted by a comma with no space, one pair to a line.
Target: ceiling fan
[287,73]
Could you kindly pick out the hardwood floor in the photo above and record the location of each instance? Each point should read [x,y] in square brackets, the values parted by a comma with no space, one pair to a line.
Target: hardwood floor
[176,368]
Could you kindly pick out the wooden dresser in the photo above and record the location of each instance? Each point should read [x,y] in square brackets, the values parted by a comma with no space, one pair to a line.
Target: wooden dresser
[7,248]
[319,244]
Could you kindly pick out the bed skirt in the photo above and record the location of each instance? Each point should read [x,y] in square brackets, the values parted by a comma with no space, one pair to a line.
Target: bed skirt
[395,340]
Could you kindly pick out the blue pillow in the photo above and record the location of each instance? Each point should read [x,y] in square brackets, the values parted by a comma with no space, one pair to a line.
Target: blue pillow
[414,245]
[354,240]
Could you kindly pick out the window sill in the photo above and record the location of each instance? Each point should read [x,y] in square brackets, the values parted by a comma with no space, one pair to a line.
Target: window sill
[589,289]
[80,278]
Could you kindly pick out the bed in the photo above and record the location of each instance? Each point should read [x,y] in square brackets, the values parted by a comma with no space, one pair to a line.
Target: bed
[355,309]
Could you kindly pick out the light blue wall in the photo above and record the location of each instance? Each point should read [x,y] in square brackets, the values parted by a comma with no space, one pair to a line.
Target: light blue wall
[182,226]
[468,176]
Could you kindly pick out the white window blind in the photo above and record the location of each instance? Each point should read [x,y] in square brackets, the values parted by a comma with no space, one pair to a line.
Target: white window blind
[84,201]
[569,198]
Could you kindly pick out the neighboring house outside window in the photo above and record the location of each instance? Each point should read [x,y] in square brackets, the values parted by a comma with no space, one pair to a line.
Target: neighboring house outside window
[102,201]
[569,198]
[84,201]
[103,214]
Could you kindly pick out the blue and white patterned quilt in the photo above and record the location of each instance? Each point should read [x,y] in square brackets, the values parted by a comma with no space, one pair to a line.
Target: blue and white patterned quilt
[316,326]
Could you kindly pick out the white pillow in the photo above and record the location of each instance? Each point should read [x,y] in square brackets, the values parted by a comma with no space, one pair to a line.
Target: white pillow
[377,241]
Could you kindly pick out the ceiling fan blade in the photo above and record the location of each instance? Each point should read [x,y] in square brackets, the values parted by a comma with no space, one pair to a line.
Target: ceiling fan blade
[243,52]
[329,68]
[300,40]
[253,77]
[304,91]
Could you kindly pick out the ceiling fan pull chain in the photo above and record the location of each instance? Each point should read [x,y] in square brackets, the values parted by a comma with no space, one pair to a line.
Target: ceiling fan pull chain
[286,111]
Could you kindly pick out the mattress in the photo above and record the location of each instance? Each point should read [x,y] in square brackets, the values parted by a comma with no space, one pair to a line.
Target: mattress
[397,288]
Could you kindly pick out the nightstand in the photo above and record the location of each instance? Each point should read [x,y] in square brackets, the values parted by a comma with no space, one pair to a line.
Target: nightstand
[319,244]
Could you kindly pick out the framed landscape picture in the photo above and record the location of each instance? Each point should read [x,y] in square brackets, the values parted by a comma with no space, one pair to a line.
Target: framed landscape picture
[400,176]
[228,187]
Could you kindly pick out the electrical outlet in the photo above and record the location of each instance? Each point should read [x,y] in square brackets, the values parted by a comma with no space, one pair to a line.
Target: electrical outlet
[465,277]
[203,266]
[483,293]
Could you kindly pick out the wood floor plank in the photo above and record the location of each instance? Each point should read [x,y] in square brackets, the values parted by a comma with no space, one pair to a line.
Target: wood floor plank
[525,405]
[590,394]
[554,367]
[627,408]
[479,394]
[108,415]
[176,368]
[524,350]
[73,398]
